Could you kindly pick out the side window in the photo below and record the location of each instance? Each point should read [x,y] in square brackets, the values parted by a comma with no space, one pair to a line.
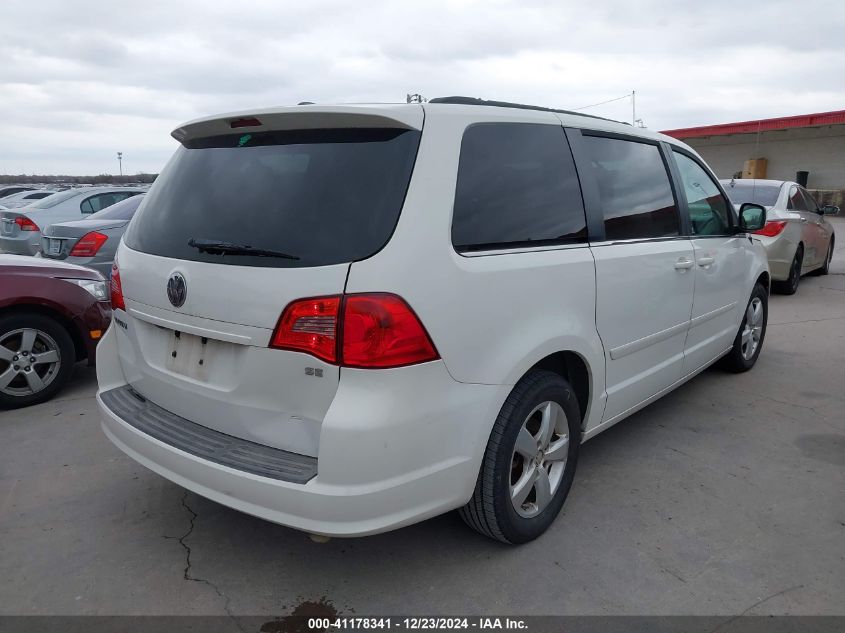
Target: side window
[809,201]
[517,186]
[796,200]
[634,189]
[709,210]
[86,206]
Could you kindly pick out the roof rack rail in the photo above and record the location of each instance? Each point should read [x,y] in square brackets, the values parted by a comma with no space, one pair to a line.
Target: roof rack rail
[458,100]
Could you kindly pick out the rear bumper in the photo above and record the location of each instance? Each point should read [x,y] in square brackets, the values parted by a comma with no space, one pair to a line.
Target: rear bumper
[21,244]
[780,251]
[396,447]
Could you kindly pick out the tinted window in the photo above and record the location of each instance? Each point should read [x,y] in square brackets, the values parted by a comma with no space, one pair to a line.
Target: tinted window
[708,209]
[38,195]
[741,192]
[796,201]
[634,189]
[809,201]
[516,186]
[123,210]
[324,196]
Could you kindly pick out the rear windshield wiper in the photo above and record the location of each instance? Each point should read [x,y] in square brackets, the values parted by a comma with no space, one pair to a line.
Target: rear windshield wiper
[216,247]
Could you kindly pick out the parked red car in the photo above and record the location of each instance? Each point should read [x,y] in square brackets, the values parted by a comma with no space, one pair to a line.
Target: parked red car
[52,315]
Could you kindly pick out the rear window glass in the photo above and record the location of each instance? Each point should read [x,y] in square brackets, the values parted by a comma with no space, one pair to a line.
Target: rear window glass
[517,187]
[123,210]
[742,192]
[322,196]
[56,198]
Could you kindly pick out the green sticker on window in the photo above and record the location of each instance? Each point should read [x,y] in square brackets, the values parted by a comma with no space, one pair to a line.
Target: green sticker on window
[244,140]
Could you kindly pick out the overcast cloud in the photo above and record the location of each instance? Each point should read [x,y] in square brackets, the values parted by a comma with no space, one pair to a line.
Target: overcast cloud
[82,79]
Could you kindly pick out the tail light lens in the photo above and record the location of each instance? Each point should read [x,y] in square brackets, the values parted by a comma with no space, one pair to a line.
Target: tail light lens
[371,331]
[26,224]
[88,244]
[380,331]
[310,326]
[116,289]
[773,228]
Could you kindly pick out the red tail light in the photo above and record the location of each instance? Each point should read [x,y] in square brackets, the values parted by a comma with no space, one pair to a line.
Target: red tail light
[26,224]
[773,228]
[247,122]
[310,326]
[116,289]
[89,244]
[381,330]
[373,331]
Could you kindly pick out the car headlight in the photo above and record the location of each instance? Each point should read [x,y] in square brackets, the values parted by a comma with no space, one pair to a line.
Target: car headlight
[97,288]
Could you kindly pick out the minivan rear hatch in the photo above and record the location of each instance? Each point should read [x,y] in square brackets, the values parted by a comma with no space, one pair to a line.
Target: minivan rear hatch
[244,220]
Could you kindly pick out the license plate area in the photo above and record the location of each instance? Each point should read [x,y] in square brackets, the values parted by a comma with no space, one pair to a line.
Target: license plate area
[190,355]
[54,247]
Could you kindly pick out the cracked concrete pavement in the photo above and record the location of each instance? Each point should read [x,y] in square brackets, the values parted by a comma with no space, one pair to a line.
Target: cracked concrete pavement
[725,497]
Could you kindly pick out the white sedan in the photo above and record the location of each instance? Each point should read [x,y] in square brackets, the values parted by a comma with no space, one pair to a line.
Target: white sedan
[797,237]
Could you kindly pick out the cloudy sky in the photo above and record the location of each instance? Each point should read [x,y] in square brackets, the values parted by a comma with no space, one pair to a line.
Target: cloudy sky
[82,79]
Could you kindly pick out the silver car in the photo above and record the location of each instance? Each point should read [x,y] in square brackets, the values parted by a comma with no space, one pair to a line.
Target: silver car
[25,198]
[91,242]
[797,238]
[20,229]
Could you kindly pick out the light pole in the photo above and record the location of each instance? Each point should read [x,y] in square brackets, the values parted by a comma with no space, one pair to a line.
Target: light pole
[120,161]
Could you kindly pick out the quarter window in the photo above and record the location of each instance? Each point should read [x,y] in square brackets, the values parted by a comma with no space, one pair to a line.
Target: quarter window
[517,186]
[809,201]
[633,188]
[708,209]
[796,200]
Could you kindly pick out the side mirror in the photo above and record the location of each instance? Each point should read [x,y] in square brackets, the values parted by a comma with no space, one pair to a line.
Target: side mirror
[752,217]
[830,209]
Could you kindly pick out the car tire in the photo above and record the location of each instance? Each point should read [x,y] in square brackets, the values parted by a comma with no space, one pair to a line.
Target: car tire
[790,286]
[543,409]
[825,269]
[742,357]
[50,340]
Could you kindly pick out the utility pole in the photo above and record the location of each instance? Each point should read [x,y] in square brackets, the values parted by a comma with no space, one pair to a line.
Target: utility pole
[633,107]
[120,162]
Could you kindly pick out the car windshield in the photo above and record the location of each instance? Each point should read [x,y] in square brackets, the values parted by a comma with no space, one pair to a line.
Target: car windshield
[323,196]
[123,210]
[741,192]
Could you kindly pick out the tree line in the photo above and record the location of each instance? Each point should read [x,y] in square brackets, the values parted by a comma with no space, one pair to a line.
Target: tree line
[102,179]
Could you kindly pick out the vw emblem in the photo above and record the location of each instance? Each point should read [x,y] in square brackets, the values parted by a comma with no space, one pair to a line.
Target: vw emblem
[177,290]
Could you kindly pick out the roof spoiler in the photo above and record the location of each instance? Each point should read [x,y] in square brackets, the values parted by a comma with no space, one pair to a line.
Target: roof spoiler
[305,117]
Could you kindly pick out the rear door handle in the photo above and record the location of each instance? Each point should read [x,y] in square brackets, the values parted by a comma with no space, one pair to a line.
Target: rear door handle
[684,263]
[705,261]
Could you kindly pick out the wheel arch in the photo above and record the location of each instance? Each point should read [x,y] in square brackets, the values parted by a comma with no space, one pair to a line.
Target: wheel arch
[56,315]
[575,369]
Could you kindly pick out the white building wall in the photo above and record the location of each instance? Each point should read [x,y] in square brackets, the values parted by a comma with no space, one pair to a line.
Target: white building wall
[819,150]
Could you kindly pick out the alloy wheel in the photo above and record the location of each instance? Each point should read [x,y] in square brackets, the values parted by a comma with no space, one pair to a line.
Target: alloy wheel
[29,361]
[795,271]
[539,459]
[752,330]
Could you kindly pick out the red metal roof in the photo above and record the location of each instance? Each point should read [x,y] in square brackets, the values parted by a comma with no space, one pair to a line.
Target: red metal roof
[762,125]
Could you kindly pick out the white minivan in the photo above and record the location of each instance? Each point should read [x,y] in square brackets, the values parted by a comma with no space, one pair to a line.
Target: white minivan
[346,319]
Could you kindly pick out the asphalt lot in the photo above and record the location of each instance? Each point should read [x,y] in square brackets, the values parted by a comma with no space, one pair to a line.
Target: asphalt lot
[725,497]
